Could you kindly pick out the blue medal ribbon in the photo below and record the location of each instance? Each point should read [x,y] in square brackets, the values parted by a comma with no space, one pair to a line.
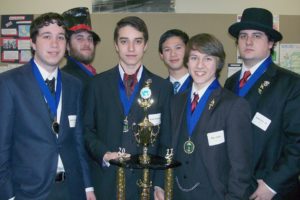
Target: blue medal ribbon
[51,101]
[124,99]
[81,66]
[257,74]
[193,118]
[185,84]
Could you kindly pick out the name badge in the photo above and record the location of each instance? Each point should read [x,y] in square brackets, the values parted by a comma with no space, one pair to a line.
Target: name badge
[215,138]
[72,120]
[261,121]
[155,119]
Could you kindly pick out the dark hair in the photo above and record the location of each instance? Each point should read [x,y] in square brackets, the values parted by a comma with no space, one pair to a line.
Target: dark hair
[45,20]
[134,22]
[172,33]
[208,44]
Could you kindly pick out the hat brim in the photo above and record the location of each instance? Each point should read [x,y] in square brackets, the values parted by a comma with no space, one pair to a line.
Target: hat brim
[235,29]
[96,37]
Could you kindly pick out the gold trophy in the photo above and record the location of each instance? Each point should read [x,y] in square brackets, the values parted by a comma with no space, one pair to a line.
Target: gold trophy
[145,133]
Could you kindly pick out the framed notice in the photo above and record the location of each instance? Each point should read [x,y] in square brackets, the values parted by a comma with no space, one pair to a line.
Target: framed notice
[15,38]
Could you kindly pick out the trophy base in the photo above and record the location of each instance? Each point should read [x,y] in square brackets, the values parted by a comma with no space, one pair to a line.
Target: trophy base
[155,162]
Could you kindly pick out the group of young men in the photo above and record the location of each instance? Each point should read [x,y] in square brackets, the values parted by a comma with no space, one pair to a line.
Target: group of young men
[57,144]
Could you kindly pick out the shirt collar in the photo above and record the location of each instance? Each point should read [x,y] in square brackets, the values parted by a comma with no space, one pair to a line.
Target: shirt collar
[181,80]
[139,74]
[199,92]
[45,74]
[252,69]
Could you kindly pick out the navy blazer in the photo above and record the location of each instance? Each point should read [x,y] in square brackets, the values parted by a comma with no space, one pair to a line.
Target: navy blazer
[227,164]
[275,95]
[104,127]
[28,147]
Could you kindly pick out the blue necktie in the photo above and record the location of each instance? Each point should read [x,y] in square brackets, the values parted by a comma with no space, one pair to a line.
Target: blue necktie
[176,86]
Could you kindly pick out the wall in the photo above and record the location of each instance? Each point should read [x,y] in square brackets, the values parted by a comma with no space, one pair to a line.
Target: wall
[217,24]
[283,7]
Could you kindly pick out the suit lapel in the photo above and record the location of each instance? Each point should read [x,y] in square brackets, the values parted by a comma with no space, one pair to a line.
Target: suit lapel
[203,123]
[114,85]
[261,86]
[37,95]
[182,101]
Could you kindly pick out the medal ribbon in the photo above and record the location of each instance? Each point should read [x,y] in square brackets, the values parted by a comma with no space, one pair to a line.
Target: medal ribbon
[81,66]
[193,118]
[125,101]
[51,101]
[257,74]
[185,84]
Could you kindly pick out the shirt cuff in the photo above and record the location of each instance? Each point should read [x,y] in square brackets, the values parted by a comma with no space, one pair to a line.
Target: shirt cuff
[273,191]
[105,163]
[13,198]
[89,189]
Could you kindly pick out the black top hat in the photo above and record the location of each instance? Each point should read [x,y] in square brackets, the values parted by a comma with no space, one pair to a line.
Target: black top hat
[78,19]
[256,19]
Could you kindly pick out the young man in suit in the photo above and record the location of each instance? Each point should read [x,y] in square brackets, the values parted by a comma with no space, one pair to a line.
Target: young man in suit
[214,140]
[274,95]
[42,154]
[81,45]
[171,49]
[112,107]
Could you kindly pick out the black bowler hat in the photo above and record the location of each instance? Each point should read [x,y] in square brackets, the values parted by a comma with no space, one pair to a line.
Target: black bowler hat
[78,19]
[256,19]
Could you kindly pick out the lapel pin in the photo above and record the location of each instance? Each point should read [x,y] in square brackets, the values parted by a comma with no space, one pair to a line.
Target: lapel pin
[263,86]
[211,104]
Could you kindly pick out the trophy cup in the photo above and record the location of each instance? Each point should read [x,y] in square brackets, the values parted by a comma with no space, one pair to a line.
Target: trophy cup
[145,134]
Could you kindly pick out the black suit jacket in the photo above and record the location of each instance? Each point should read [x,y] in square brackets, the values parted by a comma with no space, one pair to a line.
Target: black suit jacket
[228,164]
[275,95]
[28,147]
[73,69]
[104,127]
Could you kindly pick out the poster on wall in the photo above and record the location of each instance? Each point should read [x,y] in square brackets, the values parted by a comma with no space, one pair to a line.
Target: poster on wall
[290,57]
[15,38]
[133,6]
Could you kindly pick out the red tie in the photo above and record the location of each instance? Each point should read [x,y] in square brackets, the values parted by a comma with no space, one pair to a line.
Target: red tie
[244,79]
[91,69]
[129,82]
[195,102]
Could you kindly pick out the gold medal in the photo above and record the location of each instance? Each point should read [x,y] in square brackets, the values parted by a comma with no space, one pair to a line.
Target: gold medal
[125,125]
[188,146]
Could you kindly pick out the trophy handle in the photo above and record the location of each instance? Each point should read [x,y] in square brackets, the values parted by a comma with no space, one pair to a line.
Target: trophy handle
[135,131]
[154,134]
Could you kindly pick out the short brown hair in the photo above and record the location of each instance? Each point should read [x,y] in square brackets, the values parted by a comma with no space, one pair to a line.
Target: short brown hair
[208,44]
[134,22]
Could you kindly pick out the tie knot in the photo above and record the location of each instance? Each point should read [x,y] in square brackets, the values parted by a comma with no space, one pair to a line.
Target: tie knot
[244,78]
[130,82]
[128,77]
[194,102]
[246,75]
[51,84]
[176,86]
[196,97]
